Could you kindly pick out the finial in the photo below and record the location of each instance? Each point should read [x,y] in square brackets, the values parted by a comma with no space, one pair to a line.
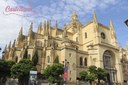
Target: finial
[30,29]
[21,31]
[5,48]
[65,31]
[56,25]
[94,17]
[13,45]
[74,16]
[31,26]
[9,46]
[40,28]
[111,24]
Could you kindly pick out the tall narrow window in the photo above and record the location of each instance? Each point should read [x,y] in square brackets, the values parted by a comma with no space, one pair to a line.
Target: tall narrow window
[85,61]
[48,59]
[81,61]
[16,59]
[85,35]
[76,39]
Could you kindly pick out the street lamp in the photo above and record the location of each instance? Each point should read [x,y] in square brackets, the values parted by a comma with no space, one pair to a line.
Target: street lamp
[126,22]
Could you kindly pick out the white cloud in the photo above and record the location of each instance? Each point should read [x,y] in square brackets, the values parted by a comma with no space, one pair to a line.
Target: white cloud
[9,24]
[62,9]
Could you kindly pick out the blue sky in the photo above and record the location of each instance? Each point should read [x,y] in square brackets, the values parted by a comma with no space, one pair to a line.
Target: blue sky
[61,10]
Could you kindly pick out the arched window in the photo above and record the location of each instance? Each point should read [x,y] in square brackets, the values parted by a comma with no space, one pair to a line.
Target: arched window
[81,61]
[85,35]
[85,61]
[76,39]
[48,58]
[16,59]
[108,60]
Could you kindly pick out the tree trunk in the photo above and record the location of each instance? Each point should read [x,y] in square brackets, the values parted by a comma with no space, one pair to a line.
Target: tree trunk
[93,83]
[98,82]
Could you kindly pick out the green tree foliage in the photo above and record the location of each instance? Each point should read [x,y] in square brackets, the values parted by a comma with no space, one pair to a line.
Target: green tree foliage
[92,74]
[53,73]
[35,58]
[91,77]
[21,71]
[101,74]
[83,75]
[5,69]
[92,69]
[10,63]
[56,60]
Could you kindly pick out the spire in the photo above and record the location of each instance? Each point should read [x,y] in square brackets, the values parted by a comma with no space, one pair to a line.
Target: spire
[13,45]
[64,31]
[96,28]
[74,16]
[113,36]
[40,28]
[112,29]
[20,34]
[49,27]
[94,17]
[44,28]
[5,48]
[30,30]
[9,46]
[111,25]
[56,25]
[21,31]
[47,24]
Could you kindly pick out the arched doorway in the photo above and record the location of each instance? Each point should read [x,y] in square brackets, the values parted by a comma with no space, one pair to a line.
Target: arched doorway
[109,65]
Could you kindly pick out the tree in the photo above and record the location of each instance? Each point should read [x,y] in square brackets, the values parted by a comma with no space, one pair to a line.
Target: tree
[83,75]
[87,76]
[10,63]
[92,74]
[35,58]
[92,69]
[101,74]
[91,77]
[21,71]
[53,73]
[5,69]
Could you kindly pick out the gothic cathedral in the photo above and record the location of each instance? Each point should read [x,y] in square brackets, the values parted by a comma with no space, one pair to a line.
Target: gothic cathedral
[78,45]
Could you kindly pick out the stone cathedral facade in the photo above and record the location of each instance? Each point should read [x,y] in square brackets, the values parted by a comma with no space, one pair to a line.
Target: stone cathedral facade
[75,44]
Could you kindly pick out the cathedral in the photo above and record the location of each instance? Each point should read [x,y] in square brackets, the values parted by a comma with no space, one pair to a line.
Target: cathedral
[75,45]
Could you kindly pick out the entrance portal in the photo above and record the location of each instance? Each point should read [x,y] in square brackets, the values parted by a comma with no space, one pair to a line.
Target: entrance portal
[109,65]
